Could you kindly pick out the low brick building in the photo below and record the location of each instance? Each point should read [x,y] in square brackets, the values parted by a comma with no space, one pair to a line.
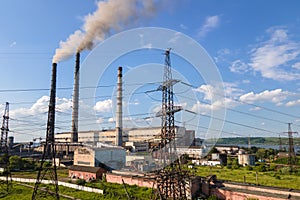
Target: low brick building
[86,172]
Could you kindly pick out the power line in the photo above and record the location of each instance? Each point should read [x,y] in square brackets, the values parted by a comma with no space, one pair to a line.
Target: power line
[231,122]
[240,112]
[251,104]
[71,88]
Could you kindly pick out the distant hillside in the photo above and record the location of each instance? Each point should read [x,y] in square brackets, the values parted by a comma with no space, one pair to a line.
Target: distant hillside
[257,140]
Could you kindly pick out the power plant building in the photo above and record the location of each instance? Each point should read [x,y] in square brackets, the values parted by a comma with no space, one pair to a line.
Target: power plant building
[93,156]
[137,135]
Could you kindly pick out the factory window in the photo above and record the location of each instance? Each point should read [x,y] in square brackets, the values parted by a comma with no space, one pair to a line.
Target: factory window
[83,163]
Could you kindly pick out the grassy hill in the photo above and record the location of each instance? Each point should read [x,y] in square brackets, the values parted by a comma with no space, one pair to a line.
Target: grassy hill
[257,140]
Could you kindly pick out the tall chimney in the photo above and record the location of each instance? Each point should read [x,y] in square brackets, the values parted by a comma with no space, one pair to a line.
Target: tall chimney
[119,109]
[74,134]
[50,139]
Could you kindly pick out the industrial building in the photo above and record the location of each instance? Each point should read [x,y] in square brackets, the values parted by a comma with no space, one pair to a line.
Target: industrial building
[246,159]
[100,156]
[87,173]
[139,138]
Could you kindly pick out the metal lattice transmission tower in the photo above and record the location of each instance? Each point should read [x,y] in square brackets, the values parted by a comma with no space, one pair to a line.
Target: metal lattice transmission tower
[280,144]
[4,153]
[47,172]
[170,179]
[292,156]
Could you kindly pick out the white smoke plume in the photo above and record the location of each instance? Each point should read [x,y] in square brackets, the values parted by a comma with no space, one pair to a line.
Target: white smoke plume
[110,16]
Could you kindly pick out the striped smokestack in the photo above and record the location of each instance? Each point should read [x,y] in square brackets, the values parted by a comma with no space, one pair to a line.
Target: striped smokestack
[119,109]
[74,135]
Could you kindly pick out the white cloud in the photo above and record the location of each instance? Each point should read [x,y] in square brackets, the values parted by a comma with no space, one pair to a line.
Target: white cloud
[296,65]
[111,119]
[293,103]
[255,109]
[135,102]
[183,26]
[103,106]
[246,81]
[222,54]
[100,120]
[218,90]
[63,105]
[147,46]
[211,23]
[239,67]
[14,43]
[175,38]
[216,95]
[41,106]
[232,90]
[205,108]
[276,96]
[273,57]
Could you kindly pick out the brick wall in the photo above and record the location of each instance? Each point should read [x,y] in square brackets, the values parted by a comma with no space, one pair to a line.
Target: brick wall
[130,180]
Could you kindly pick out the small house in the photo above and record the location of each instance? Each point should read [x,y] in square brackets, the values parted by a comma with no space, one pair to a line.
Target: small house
[86,172]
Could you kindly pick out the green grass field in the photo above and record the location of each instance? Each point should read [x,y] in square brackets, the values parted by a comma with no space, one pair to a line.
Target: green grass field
[270,178]
[23,192]
[112,191]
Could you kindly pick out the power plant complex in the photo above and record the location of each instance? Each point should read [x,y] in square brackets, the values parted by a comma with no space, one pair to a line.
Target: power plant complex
[165,157]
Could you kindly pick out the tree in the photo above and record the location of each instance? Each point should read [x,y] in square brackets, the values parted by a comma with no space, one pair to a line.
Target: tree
[16,163]
[261,153]
[213,150]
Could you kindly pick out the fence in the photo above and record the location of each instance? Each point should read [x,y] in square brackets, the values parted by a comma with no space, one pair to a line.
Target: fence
[69,185]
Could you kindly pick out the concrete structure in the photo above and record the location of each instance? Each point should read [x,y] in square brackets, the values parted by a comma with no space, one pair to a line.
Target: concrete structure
[183,137]
[193,184]
[210,162]
[227,149]
[236,191]
[220,157]
[192,152]
[137,146]
[119,113]
[86,173]
[140,163]
[74,130]
[112,157]
[246,159]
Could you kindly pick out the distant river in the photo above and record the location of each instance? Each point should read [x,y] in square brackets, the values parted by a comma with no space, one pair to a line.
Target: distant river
[266,146]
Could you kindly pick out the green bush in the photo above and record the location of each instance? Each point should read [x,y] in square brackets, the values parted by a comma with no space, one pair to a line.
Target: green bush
[80,182]
[286,170]
[213,197]
[249,168]
[261,168]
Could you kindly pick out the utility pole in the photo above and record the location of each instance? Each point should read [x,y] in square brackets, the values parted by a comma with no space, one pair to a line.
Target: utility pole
[170,179]
[4,159]
[292,156]
[48,172]
[249,142]
[280,144]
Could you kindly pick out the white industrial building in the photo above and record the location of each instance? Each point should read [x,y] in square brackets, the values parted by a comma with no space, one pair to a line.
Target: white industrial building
[246,159]
[192,152]
[96,156]
[135,135]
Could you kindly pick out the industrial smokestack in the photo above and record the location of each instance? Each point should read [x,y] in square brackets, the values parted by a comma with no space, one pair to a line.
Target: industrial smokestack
[119,109]
[51,112]
[110,16]
[74,134]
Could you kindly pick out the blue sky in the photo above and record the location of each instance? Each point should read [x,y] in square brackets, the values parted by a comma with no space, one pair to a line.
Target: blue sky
[254,44]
